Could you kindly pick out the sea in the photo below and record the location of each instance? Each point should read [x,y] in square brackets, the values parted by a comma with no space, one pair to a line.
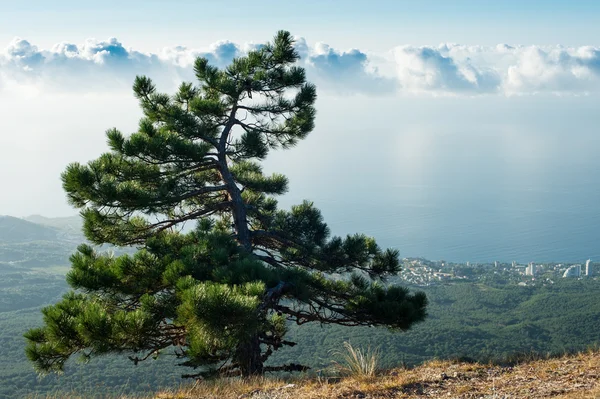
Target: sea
[476,180]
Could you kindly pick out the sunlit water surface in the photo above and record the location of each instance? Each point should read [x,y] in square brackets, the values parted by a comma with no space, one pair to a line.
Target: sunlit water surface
[458,179]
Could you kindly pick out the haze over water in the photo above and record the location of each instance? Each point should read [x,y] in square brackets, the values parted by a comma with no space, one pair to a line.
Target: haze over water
[475,179]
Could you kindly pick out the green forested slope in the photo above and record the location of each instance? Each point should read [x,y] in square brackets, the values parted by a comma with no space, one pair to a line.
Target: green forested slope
[22,294]
[480,321]
[476,321]
[466,319]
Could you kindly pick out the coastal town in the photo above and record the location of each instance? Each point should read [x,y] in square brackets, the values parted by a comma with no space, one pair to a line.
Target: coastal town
[423,272]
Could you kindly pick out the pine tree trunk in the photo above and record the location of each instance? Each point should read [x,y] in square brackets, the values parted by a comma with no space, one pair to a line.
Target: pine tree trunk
[240,218]
[248,354]
[249,357]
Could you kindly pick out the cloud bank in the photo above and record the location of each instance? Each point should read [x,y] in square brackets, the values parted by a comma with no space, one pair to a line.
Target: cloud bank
[446,69]
[108,65]
[503,69]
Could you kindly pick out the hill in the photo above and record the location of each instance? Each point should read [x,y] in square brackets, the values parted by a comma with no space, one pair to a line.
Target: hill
[39,241]
[466,320]
[13,230]
[477,319]
[568,377]
[67,224]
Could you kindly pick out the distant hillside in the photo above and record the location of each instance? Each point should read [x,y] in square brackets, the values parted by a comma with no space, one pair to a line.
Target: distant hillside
[67,223]
[38,240]
[13,230]
[69,227]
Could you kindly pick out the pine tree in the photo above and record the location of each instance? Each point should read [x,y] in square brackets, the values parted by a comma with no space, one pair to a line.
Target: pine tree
[219,296]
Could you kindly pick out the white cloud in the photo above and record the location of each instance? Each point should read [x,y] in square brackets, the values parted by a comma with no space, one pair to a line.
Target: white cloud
[446,69]
[220,53]
[428,69]
[106,65]
[345,71]
[503,69]
[559,70]
[92,66]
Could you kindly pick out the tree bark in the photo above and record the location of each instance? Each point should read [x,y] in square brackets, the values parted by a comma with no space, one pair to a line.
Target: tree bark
[248,354]
[249,357]
[240,218]
[238,208]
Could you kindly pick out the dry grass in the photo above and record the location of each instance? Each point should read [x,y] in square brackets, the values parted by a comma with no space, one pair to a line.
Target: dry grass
[567,377]
[357,362]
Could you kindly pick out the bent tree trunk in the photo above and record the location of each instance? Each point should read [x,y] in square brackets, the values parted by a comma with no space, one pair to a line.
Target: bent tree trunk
[240,218]
[248,354]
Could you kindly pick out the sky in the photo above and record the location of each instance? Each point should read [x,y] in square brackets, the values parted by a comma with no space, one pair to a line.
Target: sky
[392,75]
[377,25]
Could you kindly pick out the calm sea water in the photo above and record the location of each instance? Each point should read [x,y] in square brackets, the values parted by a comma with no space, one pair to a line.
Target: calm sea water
[470,180]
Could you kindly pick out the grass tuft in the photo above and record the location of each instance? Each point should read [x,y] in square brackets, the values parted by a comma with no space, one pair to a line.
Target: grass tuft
[357,362]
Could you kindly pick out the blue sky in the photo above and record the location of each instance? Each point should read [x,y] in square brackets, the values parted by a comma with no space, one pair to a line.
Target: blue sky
[502,67]
[376,25]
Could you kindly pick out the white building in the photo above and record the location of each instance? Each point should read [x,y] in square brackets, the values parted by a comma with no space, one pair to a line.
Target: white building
[530,270]
[573,271]
[588,268]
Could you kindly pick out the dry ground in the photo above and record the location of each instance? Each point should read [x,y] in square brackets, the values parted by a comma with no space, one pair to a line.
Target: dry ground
[575,376]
